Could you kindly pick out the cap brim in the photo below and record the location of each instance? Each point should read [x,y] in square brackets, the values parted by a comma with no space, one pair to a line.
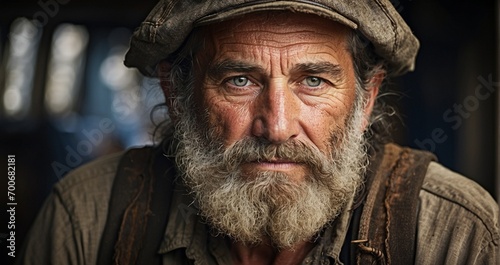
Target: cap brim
[294,6]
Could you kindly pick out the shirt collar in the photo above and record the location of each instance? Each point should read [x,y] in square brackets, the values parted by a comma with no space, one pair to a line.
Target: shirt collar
[333,238]
[183,222]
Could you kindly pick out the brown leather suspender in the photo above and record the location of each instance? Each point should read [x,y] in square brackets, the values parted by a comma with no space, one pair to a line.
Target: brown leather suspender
[387,229]
[138,209]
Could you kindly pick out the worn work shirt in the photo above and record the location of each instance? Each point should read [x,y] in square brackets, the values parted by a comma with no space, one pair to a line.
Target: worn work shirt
[457,224]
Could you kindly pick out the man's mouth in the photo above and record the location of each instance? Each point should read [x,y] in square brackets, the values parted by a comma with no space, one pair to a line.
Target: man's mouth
[276,164]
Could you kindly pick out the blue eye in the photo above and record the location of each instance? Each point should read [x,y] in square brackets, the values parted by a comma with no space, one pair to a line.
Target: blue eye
[313,81]
[239,81]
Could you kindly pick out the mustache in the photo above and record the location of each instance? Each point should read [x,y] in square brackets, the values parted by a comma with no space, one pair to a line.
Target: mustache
[249,150]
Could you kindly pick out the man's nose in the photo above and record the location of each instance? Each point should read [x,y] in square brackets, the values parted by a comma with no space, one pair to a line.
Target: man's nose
[277,113]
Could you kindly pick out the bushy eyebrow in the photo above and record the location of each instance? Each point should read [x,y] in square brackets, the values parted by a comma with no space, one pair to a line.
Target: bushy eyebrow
[333,70]
[218,70]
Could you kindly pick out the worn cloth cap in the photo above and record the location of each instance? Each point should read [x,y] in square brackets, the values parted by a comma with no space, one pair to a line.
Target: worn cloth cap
[171,21]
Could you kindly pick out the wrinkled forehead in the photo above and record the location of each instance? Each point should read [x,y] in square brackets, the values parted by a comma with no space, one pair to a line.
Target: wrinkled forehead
[275,29]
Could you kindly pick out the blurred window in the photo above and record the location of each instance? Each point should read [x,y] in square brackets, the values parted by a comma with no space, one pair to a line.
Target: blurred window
[65,69]
[20,61]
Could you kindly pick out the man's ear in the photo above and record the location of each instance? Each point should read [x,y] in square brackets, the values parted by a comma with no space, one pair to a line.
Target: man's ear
[372,89]
[163,71]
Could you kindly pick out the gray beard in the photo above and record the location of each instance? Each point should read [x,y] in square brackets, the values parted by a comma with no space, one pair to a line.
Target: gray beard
[268,205]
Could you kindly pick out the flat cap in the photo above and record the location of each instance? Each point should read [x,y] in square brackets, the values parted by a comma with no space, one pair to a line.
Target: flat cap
[171,21]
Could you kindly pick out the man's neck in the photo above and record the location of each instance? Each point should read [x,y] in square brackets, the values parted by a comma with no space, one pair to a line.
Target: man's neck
[266,254]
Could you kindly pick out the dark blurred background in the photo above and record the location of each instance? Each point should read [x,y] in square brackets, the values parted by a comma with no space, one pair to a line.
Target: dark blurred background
[66,98]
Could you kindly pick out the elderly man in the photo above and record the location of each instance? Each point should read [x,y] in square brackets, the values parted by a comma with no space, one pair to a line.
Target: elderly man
[272,154]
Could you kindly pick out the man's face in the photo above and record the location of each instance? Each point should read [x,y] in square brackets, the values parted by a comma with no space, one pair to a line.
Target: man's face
[277,77]
[270,140]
